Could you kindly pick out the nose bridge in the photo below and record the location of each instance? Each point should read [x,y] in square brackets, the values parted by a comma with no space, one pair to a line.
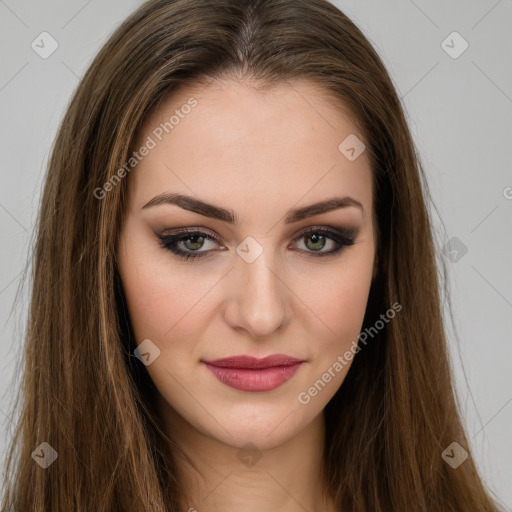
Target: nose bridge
[261,297]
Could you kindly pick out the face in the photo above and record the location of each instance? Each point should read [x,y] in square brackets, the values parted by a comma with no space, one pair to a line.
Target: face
[256,273]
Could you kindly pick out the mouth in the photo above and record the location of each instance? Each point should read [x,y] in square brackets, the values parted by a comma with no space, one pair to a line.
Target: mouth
[247,373]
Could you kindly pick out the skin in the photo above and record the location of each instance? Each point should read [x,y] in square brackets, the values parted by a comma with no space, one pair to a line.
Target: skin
[259,154]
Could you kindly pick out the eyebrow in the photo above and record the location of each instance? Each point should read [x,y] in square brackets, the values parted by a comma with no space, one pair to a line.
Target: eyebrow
[226,215]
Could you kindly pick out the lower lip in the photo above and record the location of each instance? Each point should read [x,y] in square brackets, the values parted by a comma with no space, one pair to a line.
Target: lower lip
[246,379]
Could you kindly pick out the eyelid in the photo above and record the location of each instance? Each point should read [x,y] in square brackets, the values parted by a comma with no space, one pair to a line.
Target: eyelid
[338,231]
[180,234]
[170,232]
[342,236]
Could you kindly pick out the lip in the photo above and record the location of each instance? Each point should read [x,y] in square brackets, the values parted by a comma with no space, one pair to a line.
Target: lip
[247,373]
[250,362]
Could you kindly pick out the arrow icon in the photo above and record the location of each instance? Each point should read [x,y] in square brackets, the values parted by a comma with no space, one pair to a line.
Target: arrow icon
[352,146]
[249,455]
[454,455]
[147,352]
[249,249]
[44,45]
[44,455]
[454,45]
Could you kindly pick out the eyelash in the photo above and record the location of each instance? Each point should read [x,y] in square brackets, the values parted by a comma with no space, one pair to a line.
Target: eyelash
[343,238]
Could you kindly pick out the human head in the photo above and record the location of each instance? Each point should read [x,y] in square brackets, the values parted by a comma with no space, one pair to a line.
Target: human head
[388,399]
[259,154]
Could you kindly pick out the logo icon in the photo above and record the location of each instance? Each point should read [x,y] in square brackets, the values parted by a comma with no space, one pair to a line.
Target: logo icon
[454,455]
[455,249]
[249,455]
[44,455]
[249,249]
[44,45]
[147,352]
[454,45]
[351,147]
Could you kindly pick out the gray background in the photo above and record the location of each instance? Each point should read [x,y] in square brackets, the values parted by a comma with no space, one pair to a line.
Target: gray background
[460,113]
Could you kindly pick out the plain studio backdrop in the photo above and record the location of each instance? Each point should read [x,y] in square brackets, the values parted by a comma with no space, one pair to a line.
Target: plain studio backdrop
[452,65]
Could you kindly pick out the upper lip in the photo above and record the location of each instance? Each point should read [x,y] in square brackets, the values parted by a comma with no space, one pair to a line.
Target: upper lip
[245,361]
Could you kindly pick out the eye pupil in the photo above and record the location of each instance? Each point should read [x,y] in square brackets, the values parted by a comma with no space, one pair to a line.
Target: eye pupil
[316,238]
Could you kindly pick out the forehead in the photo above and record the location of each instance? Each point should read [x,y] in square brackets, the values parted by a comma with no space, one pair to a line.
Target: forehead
[230,143]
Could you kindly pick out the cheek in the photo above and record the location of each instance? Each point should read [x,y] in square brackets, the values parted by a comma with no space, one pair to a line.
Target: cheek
[148,292]
[345,309]
[149,299]
[337,305]
[156,298]
[168,303]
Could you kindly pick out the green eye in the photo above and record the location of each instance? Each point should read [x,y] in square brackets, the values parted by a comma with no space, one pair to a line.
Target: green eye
[317,241]
[188,244]
[191,242]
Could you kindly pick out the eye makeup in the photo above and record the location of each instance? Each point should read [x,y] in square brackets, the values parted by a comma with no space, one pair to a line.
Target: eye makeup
[176,241]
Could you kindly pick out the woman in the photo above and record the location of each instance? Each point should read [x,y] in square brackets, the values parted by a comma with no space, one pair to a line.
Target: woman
[235,294]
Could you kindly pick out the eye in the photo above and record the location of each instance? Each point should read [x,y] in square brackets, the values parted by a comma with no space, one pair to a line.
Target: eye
[188,244]
[316,239]
[191,244]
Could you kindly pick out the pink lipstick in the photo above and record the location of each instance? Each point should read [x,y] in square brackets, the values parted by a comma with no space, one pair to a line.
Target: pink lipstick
[248,373]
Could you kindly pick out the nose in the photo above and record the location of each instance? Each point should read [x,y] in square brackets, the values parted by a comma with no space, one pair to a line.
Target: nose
[259,302]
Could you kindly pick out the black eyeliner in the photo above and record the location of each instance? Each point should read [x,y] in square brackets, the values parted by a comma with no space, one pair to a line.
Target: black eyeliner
[342,236]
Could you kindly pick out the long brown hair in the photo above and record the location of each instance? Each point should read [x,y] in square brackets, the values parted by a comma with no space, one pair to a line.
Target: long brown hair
[89,398]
